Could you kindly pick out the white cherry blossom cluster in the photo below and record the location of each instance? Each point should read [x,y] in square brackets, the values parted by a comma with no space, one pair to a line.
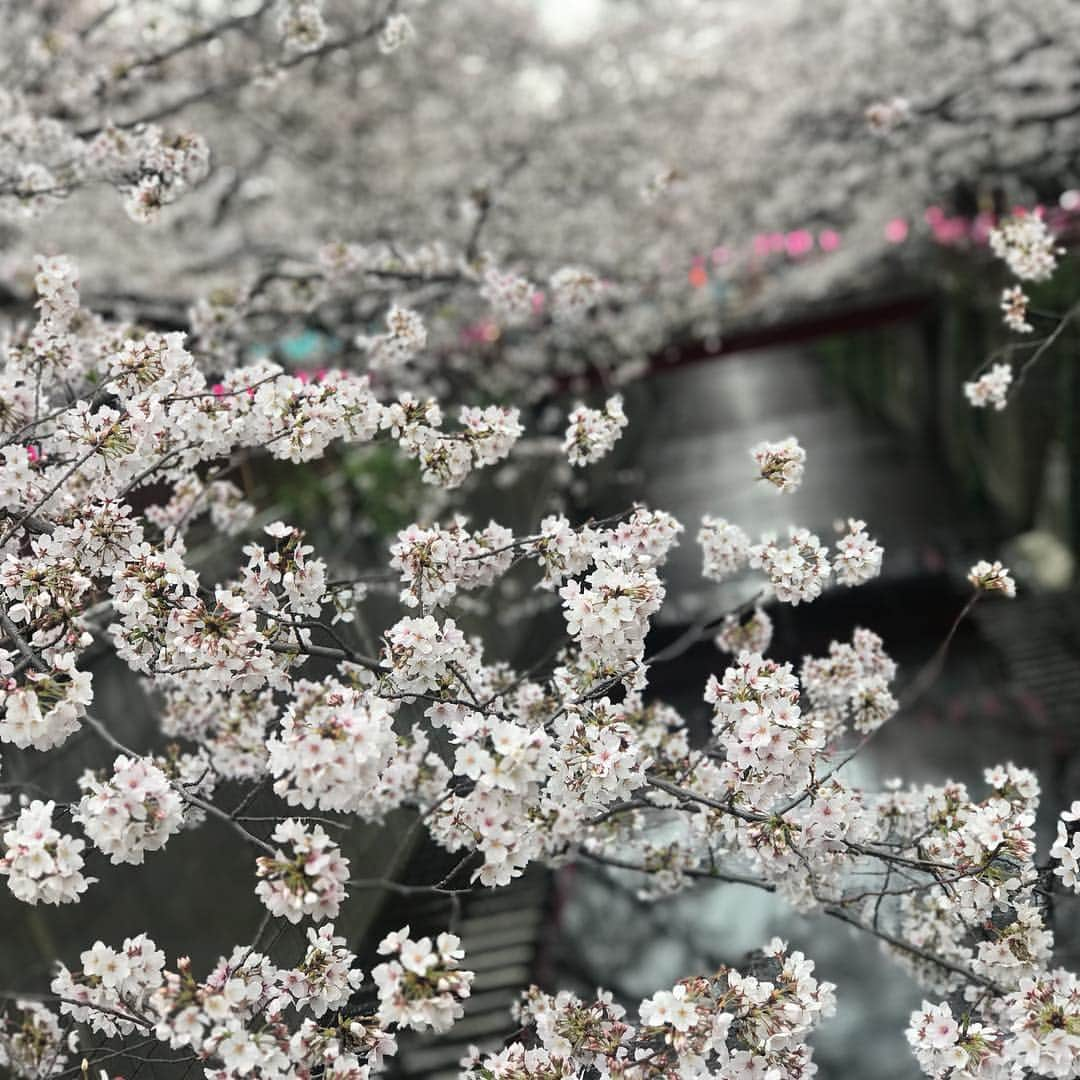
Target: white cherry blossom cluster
[157,361]
[751,634]
[153,594]
[240,1019]
[797,572]
[286,578]
[727,1025]
[490,433]
[132,812]
[229,511]
[1017,946]
[231,727]
[574,292]
[884,117]
[599,759]
[992,577]
[333,745]
[46,709]
[851,684]
[446,458]
[325,978]
[295,418]
[347,1049]
[98,541]
[1066,848]
[49,579]
[858,556]
[422,985]
[429,563]
[244,1049]
[592,433]
[943,1050]
[301,25]
[121,980]
[498,754]
[1014,305]
[17,468]
[42,865]
[989,846]
[159,168]
[769,744]
[746,1023]
[436,562]
[397,31]
[405,337]
[781,463]
[725,548]
[307,882]
[1027,246]
[416,775]
[514,298]
[647,534]
[32,1042]
[232,1020]
[1043,1017]
[494,823]
[424,656]
[609,616]
[990,388]
[57,286]
[561,550]
[223,639]
[499,817]
[212,1016]
[194,774]
[1033,1031]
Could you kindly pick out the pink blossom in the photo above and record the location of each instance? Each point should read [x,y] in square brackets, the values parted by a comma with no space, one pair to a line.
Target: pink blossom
[896,230]
[799,243]
[828,240]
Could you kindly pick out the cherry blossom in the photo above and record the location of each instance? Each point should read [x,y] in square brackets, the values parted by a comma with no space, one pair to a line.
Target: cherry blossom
[1014,305]
[858,557]
[1027,247]
[466,278]
[781,463]
[992,577]
[405,336]
[992,388]
[883,117]
[42,864]
[132,812]
[421,986]
[309,881]
[591,433]
[120,979]
[31,1040]
[725,547]
[753,634]
[798,572]
[1066,848]
[397,32]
